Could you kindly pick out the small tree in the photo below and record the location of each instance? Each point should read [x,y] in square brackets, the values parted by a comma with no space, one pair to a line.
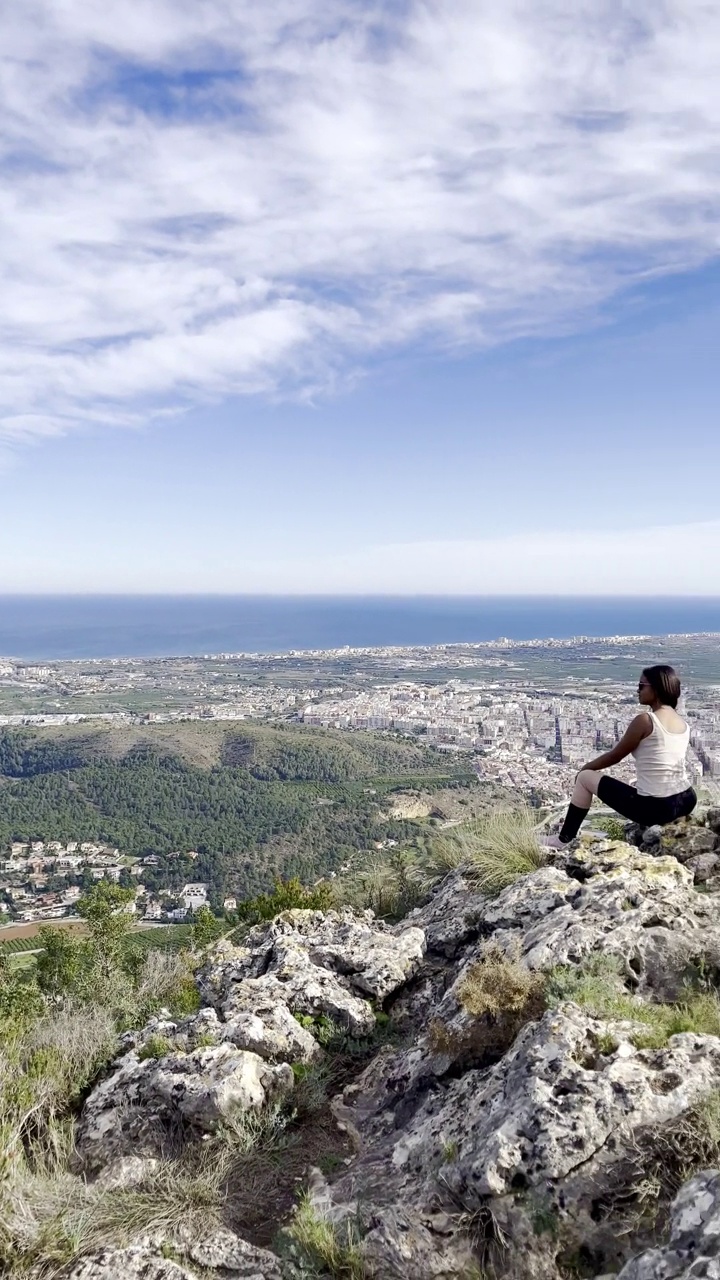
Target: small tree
[60,963]
[205,929]
[109,923]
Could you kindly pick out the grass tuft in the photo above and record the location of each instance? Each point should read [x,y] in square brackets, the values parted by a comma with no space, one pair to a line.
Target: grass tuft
[597,986]
[501,995]
[499,848]
[330,1248]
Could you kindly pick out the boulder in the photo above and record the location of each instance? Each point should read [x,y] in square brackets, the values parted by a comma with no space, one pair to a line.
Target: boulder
[131,1112]
[268,1028]
[693,1249]
[602,897]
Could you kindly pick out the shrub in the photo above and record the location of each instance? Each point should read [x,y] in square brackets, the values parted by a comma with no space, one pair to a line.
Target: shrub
[389,884]
[497,983]
[155,1047]
[206,929]
[165,979]
[614,828]
[286,896]
[501,995]
[45,1066]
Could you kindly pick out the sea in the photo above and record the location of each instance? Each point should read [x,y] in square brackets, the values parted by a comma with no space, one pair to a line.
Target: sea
[51,627]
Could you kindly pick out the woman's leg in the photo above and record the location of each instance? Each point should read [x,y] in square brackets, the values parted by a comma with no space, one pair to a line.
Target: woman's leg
[645,810]
[586,785]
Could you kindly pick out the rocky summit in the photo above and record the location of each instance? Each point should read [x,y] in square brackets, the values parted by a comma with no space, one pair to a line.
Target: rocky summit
[537,1096]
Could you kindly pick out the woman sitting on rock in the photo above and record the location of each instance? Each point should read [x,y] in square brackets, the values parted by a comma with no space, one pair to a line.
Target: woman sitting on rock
[658,741]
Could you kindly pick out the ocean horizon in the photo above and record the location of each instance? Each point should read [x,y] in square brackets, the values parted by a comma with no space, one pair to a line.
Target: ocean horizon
[55,627]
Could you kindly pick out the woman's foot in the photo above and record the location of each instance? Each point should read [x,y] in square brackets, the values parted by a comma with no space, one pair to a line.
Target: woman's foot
[552,842]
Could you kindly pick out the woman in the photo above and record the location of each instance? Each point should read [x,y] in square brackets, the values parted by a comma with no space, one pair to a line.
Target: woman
[658,740]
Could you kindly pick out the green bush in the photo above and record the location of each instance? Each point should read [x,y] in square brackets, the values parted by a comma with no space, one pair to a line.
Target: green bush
[287,895]
[155,1047]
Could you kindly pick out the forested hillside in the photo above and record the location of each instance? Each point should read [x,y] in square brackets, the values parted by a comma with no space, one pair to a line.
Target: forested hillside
[286,799]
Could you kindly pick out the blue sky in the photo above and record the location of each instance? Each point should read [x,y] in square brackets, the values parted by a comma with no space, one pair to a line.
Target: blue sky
[342,297]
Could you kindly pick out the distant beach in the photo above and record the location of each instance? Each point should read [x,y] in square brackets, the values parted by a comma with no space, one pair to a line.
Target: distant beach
[38,628]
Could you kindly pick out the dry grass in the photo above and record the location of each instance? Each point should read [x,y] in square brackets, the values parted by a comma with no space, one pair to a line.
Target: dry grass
[498,983]
[51,1217]
[499,848]
[44,1068]
[390,884]
[641,1187]
[501,995]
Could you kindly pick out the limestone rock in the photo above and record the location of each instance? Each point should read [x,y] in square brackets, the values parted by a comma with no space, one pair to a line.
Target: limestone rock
[694,1246]
[309,962]
[304,988]
[548,1125]
[134,1263]
[713,820]
[693,840]
[131,1111]
[615,900]
[267,1028]
[228,1253]
[126,1171]
[704,866]
[221,1250]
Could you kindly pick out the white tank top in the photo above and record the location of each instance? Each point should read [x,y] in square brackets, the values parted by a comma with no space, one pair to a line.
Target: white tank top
[660,761]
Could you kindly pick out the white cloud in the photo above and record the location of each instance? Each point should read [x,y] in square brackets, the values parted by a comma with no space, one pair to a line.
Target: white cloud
[665,560]
[198,199]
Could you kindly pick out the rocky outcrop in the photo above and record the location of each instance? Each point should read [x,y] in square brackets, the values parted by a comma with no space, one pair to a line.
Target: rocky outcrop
[513,1128]
[314,963]
[693,1249]
[236,1053]
[529,1145]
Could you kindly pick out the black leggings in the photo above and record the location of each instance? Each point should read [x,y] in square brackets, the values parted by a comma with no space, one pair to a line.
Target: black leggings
[645,810]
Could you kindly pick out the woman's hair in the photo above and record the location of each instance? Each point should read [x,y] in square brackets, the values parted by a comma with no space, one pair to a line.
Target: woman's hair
[664,682]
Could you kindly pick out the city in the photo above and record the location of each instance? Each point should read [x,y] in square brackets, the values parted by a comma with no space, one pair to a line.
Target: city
[525,717]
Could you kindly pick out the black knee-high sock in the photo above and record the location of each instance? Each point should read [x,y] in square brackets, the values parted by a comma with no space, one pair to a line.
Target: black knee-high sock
[574,819]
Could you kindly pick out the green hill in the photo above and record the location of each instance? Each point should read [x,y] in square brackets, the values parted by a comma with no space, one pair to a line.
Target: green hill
[252,800]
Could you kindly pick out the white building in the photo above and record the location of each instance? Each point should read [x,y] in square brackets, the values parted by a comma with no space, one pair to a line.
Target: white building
[194,896]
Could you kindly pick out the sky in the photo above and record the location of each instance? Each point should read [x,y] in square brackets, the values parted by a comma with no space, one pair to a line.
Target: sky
[330,296]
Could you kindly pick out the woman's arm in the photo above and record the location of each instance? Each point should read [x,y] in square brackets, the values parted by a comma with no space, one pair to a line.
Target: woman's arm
[639,728]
